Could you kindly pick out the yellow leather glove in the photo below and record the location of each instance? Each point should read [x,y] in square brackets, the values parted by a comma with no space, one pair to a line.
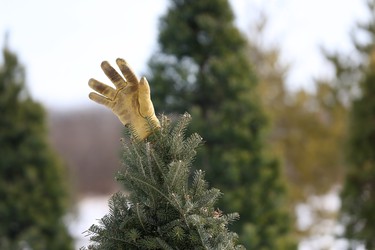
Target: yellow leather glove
[130,101]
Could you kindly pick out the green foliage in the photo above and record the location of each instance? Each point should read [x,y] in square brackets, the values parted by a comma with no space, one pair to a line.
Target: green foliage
[32,187]
[307,129]
[202,67]
[162,210]
[308,133]
[358,195]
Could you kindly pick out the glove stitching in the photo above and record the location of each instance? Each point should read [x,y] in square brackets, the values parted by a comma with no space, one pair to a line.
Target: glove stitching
[118,91]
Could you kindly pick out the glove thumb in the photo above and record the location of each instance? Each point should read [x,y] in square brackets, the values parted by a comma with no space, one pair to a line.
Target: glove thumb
[146,109]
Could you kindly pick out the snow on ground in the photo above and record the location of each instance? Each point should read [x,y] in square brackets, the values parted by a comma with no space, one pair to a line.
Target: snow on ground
[89,211]
[322,229]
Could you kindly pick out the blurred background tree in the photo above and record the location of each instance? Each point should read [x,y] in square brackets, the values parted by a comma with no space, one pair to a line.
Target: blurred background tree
[33,186]
[307,128]
[358,195]
[202,67]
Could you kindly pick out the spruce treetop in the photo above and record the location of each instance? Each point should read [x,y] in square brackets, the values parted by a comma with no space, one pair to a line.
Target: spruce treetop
[162,209]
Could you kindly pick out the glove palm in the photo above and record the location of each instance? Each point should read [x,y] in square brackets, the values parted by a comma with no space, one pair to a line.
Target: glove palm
[130,101]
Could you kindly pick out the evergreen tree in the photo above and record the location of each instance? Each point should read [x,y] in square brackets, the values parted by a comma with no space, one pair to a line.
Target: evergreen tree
[202,67]
[32,187]
[304,125]
[307,132]
[162,210]
[358,195]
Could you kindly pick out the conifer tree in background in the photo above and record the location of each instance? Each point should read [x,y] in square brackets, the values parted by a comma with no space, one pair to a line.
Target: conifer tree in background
[202,67]
[303,124]
[33,194]
[307,132]
[358,195]
[162,210]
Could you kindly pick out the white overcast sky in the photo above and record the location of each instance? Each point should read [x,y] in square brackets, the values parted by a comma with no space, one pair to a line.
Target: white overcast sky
[62,43]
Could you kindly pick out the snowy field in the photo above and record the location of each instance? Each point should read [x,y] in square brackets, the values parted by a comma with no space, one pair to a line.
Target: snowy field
[88,212]
[91,209]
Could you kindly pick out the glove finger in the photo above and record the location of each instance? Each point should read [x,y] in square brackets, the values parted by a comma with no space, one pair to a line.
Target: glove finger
[102,88]
[100,99]
[127,71]
[144,98]
[112,74]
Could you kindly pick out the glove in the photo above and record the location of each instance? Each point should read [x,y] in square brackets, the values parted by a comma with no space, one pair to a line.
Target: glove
[130,101]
